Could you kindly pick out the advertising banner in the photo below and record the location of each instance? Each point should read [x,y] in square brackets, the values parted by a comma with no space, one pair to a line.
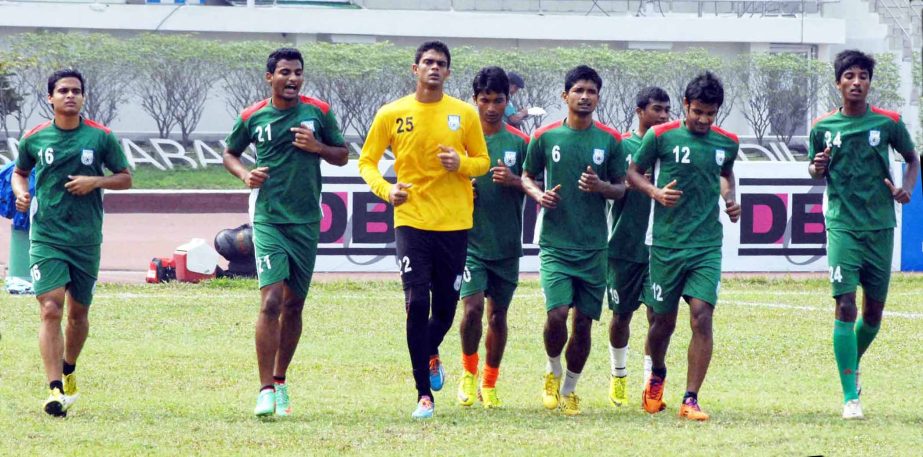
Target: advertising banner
[781,228]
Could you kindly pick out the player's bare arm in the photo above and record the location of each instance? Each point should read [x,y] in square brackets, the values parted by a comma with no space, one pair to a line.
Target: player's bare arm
[502,175]
[547,198]
[82,185]
[516,119]
[306,141]
[818,167]
[252,178]
[589,182]
[902,194]
[20,184]
[647,176]
[729,194]
[667,196]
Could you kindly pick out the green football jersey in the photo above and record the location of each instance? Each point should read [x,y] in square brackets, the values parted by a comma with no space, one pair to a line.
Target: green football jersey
[60,217]
[563,154]
[629,217]
[696,163]
[291,194]
[497,230]
[856,197]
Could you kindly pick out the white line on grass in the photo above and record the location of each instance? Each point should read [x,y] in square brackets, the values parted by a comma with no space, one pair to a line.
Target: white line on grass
[538,296]
[808,292]
[811,308]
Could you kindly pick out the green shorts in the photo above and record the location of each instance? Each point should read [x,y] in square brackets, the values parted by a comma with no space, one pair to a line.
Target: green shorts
[625,282]
[286,252]
[860,257]
[496,278]
[675,273]
[73,267]
[573,278]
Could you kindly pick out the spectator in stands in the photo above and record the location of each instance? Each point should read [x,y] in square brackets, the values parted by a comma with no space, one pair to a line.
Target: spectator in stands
[513,116]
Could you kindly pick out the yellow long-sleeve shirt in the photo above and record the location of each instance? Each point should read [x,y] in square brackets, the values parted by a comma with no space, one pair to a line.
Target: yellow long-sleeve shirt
[439,200]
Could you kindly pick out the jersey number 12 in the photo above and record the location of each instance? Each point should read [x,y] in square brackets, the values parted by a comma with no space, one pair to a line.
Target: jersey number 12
[685,154]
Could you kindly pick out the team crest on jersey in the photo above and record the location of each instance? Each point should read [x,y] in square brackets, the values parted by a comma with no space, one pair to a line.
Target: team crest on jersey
[454,122]
[874,137]
[598,156]
[719,157]
[509,158]
[308,124]
[87,157]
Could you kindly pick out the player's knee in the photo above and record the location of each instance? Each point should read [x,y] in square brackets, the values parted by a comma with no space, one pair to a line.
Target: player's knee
[51,310]
[474,311]
[621,321]
[663,323]
[77,318]
[558,316]
[846,308]
[416,300]
[497,318]
[293,308]
[271,305]
[701,323]
[872,317]
[872,310]
[582,324]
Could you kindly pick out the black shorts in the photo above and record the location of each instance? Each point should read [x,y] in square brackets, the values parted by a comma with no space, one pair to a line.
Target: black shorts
[427,257]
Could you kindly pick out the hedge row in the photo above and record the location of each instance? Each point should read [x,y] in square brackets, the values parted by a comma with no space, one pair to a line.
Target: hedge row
[172,76]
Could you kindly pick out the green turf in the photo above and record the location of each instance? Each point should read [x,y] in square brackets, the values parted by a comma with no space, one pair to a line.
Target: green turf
[170,370]
[180,177]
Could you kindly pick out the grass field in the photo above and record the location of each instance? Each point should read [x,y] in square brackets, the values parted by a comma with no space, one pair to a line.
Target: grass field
[170,370]
[181,177]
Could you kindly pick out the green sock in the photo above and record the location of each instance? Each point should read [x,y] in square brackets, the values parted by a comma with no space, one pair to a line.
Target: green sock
[844,348]
[865,334]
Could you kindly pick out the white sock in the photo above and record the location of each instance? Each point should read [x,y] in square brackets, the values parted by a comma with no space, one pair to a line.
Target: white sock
[618,358]
[648,364]
[570,383]
[554,366]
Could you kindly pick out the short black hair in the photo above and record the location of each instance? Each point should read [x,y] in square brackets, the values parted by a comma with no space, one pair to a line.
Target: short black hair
[282,54]
[435,46]
[651,93]
[582,73]
[516,80]
[61,74]
[706,88]
[491,79]
[852,58]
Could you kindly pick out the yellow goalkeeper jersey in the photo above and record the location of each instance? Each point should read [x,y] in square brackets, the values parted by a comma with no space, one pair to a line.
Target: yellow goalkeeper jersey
[438,200]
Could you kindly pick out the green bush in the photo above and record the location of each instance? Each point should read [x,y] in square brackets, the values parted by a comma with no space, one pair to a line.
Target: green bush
[171,76]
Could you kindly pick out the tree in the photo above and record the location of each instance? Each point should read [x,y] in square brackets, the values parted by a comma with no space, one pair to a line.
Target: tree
[242,75]
[674,70]
[754,82]
[886,83]
[176,75]
[19,91]
[101,58]
[357,79]
[624,74]
[10,100]
[793,82]
[732,90]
